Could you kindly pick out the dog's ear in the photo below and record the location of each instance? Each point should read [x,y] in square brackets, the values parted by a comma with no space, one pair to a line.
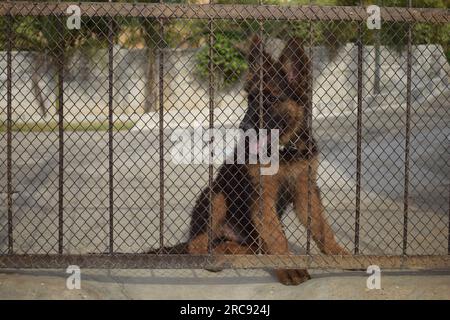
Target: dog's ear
[296,63]
[256,54]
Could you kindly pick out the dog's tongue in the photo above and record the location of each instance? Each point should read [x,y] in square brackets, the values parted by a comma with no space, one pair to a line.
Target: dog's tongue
[253,147]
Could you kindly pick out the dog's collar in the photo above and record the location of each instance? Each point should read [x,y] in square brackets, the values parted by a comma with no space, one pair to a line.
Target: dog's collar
[290,151]
[290,146]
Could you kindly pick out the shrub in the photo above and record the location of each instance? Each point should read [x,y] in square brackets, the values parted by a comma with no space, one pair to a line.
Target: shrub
[228,63]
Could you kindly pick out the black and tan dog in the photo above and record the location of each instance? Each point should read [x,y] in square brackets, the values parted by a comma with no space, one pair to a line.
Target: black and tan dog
[239,190]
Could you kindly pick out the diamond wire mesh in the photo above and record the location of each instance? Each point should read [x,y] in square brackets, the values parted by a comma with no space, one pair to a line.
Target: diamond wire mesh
[3,157]
[140,54]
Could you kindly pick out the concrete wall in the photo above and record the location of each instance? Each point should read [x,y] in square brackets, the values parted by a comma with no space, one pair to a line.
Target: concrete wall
[335,85]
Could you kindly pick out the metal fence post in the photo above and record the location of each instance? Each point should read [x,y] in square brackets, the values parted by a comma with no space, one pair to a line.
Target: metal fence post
[358,135]
[61,135]
[211,93]
[407,141]
[260,120]
[161,131]
[9,35]
[309,119]
[110,131]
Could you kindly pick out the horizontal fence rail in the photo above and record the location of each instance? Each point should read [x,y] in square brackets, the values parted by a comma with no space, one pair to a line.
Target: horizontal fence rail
[140,261]
[109,197]
[217,11]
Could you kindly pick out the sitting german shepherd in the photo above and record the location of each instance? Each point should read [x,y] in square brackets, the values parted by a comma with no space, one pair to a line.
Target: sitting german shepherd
[238,191]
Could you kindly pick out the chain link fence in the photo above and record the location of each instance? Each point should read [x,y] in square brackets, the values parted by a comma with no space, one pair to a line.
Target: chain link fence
[96,99]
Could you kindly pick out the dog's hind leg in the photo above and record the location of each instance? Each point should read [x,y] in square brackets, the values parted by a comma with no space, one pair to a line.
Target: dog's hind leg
[199,226]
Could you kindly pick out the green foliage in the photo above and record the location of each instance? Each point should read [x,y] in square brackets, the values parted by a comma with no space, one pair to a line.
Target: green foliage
[183,33]
[439,34]
[228,63]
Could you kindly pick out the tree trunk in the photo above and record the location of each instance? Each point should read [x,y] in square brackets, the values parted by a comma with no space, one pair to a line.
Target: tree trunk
[150,87]
[84,66]
[376,80]
[38,60]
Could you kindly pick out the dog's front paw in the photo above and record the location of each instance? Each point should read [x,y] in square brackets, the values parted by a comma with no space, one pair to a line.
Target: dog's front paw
[292,277]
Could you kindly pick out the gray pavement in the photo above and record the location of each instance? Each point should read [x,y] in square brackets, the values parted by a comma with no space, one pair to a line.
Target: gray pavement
[229,284]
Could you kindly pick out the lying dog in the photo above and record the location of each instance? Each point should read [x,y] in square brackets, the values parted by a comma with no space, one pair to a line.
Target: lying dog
[242,205]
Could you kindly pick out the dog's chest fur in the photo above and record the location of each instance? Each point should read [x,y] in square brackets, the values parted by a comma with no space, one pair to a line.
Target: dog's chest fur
[282,186]
[288,174]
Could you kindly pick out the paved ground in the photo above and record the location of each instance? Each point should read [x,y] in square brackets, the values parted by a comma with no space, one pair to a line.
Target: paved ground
[237,284]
